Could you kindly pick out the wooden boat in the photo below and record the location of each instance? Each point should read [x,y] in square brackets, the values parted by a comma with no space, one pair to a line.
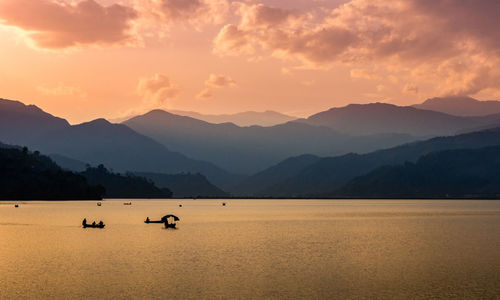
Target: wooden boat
[127,203]
[94,225]
[164,220]
[16,205]
[148,221]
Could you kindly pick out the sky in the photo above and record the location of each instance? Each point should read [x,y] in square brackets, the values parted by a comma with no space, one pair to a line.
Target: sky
[86,59]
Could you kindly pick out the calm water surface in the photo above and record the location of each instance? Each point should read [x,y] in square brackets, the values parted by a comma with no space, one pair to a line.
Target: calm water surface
[281,249]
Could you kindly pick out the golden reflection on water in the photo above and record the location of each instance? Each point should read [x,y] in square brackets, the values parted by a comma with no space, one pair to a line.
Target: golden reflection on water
[252,249]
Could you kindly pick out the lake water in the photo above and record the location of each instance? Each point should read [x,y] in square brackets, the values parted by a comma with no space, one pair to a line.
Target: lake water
[252,249]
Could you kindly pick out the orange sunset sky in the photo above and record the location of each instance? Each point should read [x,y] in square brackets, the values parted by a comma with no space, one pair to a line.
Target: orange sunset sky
[84,59]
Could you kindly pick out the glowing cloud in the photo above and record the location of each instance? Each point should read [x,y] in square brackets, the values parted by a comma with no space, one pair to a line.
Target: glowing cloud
[215,81]
[57,25]
[156,90]
[190,11]
[219,81]
[399,37]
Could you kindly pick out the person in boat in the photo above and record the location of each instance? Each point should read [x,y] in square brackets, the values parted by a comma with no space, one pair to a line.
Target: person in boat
[147,219]
[84,222]
[93,223]
[101,223]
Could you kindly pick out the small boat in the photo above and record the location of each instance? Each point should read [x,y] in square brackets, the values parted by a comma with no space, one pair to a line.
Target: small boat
[180,205]
[223,203]
[16,205]
[127,203]
[99,203]
[93,225]
[148,221]
[164,220]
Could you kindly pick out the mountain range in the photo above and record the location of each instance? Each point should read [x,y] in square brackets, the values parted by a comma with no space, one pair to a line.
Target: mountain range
[379,118]
[305,157]
[312,176]
[459,173]
[117,146]
[247,150]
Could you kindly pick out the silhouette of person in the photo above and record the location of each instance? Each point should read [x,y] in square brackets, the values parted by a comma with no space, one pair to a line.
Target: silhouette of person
[147,219]
[84,222]
[101,223]
[93,223]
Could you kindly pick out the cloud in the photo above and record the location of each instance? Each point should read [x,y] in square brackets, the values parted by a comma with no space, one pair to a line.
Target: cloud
[219,81]
[215,81]
[156,90]
[205,94]
[454,45]
[62,90]
[196,12]
[56,25]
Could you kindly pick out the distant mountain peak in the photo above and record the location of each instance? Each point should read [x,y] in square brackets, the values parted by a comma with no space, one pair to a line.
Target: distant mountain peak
[382,118]
[97,122]
[461,106]
[19,107]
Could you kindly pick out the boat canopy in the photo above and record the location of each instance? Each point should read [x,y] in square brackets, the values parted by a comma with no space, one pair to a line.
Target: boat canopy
[170,216]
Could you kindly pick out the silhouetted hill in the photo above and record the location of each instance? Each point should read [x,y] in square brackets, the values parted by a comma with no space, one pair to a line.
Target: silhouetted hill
[278,173]
[375,118]
[463,173]
[186,185]
[330,173]
[99,141]
[252,149]
[247,118]
[461,106]
[124,186]
[31,176]
[68,163]
[21,124]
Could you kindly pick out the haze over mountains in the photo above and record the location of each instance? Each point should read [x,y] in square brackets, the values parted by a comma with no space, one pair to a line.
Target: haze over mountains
[247,118]
[313,156]
[305,176]
[250,149]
